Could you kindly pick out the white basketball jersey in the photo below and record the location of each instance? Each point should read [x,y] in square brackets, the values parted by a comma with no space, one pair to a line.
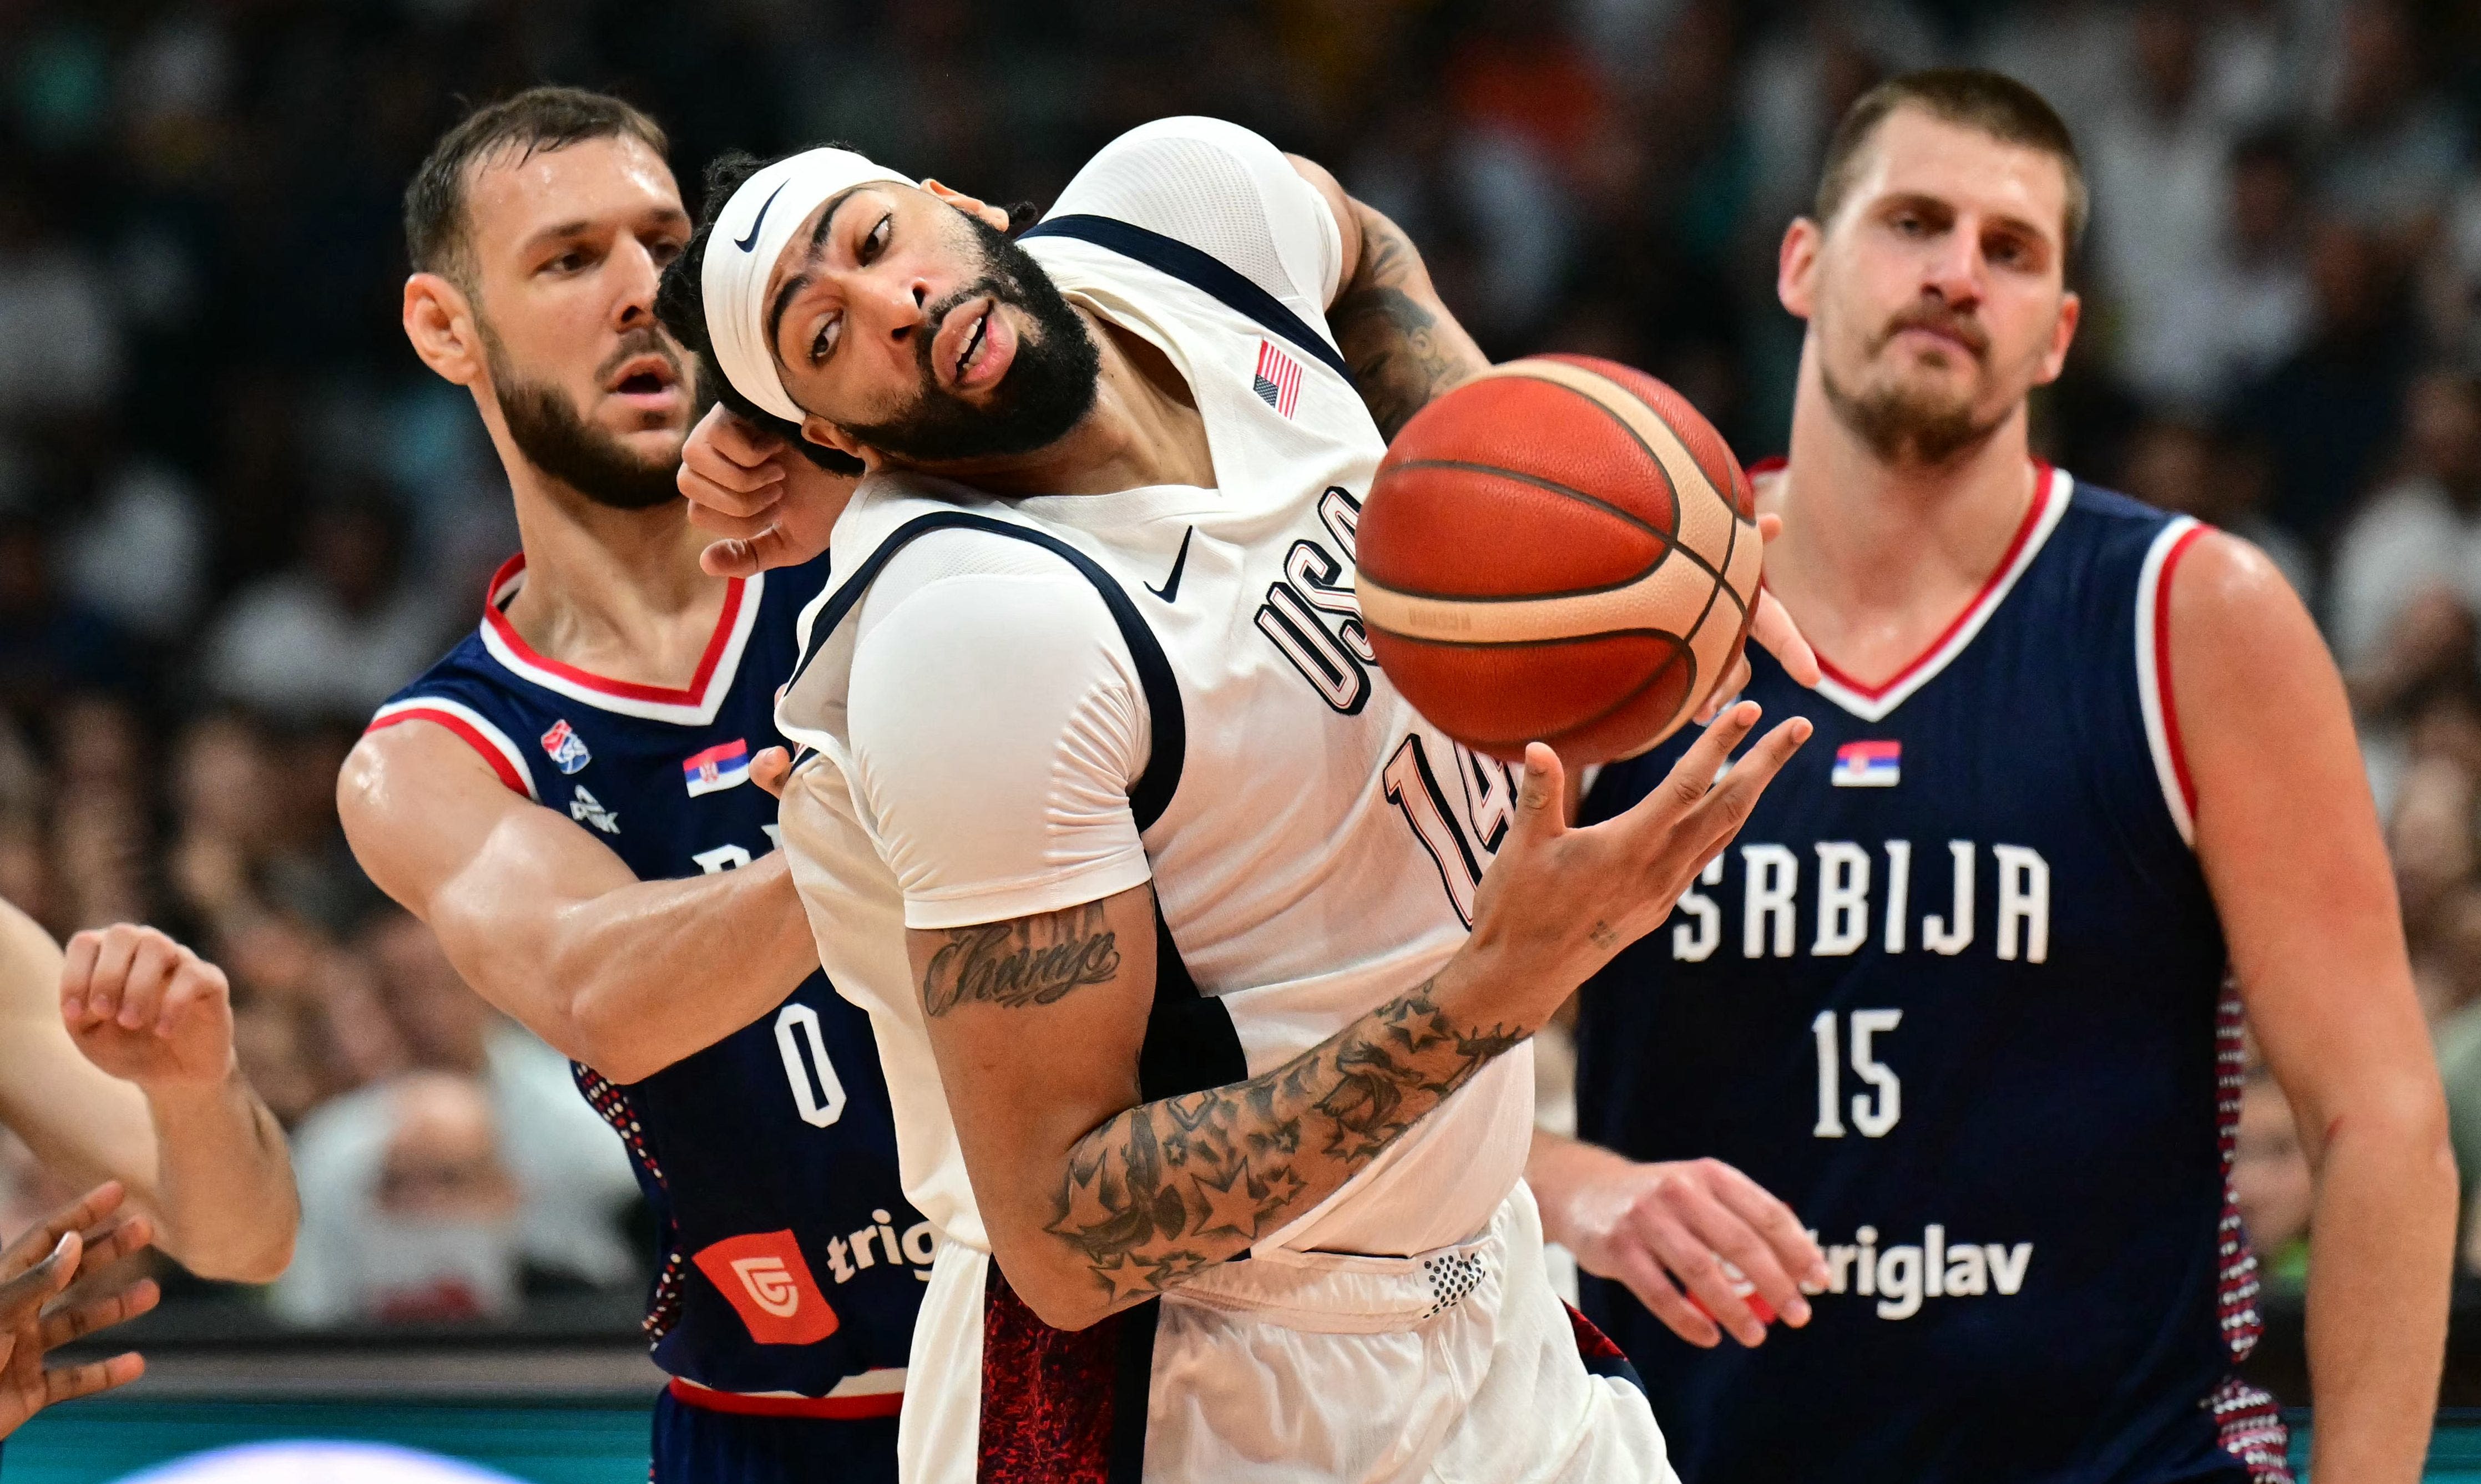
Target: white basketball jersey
[1315,845]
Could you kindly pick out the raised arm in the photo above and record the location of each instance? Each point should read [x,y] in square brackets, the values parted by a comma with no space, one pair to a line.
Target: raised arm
[625,975]
[159,1105]
[1403,346]
[1095,1199]
[2288,840]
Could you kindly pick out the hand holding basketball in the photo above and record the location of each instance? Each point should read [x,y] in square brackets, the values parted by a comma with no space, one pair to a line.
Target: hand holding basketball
[1562,901]
[1561,550]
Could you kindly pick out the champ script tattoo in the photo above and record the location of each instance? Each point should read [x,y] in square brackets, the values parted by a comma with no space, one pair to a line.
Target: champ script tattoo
[1034,960]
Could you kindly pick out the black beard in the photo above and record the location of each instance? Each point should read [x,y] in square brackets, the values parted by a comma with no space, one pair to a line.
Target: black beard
[1901,427]
[1048,387]
[546,427]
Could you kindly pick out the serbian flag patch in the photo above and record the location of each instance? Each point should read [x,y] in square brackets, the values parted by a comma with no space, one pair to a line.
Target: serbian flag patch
[723,765]
[1278,379]
[1868,765]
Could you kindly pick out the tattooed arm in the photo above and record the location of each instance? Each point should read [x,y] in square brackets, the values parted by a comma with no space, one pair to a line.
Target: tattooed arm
[1403,346]
[1095,1199]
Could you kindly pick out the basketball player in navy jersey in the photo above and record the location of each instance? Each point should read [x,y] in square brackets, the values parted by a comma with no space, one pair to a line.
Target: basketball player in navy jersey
[1958,991]
[570,799]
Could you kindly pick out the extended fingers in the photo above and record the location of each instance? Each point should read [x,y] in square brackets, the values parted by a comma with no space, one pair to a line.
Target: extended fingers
[1782,638]
[68,1383]
[88,1212]
[1668,1223]
[1776,1222]
[1726,806]
[23,1296]
[1655,1290]
[1735,681]
[1758,1253]
[108,1242]
[1693,775]
[76,1321]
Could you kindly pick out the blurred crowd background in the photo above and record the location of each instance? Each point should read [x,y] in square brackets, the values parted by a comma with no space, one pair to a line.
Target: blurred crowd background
[235,512]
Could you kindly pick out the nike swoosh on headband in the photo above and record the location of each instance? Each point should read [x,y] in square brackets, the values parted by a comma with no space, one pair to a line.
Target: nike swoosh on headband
[751,242]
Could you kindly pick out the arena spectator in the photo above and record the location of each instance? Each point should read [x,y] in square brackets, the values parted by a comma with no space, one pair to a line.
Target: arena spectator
[332,637]
[408,1210]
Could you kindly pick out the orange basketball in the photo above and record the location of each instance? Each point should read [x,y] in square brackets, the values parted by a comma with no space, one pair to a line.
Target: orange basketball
[1561,550]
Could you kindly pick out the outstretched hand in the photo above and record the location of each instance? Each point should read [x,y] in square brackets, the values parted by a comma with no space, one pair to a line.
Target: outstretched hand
[1565,900]
[1775,632]
[73,1243]
[770,505]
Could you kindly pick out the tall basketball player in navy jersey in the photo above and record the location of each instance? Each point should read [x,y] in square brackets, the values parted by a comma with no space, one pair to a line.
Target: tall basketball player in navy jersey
[571,799]
[1957,993]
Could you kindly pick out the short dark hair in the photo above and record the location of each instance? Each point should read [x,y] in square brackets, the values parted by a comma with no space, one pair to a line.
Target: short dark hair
[680,303]
[525,124]
[1992,103]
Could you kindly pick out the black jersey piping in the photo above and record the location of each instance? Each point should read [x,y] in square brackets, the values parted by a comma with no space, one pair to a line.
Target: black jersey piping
[1200,271]
[1154,786]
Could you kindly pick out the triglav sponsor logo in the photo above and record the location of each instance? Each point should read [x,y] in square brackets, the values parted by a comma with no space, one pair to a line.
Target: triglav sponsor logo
[1902,1276]
[771,1285]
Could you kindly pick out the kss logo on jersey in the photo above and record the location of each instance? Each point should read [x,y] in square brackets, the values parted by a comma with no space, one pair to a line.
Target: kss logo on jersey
[764,1278]
[567,749]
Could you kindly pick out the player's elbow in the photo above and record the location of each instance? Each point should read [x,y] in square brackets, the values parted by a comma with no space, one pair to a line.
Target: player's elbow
[596,1037]
[257,1254]
[1065,1300]
[2399,1122]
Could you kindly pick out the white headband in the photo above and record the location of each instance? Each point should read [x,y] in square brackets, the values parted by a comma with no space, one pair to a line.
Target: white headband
[748,235]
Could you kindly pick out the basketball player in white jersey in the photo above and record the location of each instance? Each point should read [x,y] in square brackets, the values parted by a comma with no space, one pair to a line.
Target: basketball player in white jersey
[1158,894]
[1916,530]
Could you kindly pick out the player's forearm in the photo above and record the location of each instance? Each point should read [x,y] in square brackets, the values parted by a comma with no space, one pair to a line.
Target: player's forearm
[636,978]
[2381,1264]
[223,1191]
[1167,1189]
[1403,346]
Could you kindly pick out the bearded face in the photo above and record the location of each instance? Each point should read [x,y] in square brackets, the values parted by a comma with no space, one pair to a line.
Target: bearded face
[1049,385]
[557,438]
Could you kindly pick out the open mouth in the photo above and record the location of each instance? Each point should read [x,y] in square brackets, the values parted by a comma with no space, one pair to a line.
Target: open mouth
[645,375]
[974,344]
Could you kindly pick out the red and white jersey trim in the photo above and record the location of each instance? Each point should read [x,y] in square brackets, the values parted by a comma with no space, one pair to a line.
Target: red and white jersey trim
[2154,674]
[475,729]
[876,1392]
[2052,488]
[694,706]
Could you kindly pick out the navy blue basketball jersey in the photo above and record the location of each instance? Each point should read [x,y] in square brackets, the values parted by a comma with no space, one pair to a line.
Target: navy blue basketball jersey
[790,1265]
[1956,994]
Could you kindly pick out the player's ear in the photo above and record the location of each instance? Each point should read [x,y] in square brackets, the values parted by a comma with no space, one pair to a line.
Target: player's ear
[440,324]
[2063,334]
[996,217]
[1796,266]
[826,434]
